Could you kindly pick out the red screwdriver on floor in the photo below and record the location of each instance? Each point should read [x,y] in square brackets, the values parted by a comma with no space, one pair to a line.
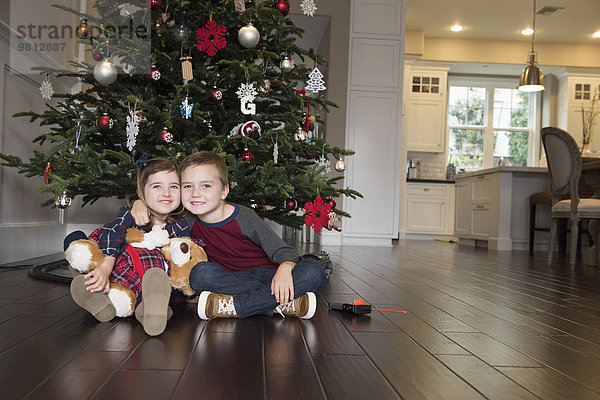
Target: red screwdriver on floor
[358,307]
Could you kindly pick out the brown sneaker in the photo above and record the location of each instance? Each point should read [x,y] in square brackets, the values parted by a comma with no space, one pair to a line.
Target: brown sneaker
[214,305]
[96,303]
[303,307]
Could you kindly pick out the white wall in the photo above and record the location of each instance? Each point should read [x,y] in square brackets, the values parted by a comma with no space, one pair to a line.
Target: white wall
[26,229]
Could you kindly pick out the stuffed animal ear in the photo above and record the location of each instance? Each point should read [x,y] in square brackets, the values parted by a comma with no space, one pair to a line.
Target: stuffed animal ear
[134,235]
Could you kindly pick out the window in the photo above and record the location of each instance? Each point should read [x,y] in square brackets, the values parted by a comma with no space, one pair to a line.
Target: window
[489,123]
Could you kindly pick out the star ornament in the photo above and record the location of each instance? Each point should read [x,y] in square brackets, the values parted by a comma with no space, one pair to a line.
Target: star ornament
[46,90]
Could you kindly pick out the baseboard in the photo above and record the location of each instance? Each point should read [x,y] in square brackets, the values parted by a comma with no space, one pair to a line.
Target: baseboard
[366,241]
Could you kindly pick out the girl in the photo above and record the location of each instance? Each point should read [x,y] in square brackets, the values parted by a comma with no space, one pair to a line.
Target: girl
[134,270]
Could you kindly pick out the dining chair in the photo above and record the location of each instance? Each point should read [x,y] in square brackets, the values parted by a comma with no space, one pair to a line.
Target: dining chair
[564,167]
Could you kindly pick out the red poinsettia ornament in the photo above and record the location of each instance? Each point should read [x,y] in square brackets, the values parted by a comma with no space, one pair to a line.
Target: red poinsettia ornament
[317,214]
[211,38]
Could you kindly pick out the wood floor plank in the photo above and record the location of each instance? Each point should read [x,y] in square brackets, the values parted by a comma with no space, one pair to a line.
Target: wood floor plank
[43,297]
[172,349]
[551,354]
[427,337]
[352,377]
[61,307]
[289,369]
[326,334]
[492,351]
[12,310]
[485,379]
[81,322]
[139,384]
[18,329]
[125,334]
[79,378]
[413,372]
[27,364]
[548,384]
[226,365]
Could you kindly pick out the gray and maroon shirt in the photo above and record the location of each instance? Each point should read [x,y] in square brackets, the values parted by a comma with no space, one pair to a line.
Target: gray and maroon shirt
[242,241]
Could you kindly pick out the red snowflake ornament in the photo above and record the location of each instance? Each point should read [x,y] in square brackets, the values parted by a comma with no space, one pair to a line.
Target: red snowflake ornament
[317,214]
[211,38]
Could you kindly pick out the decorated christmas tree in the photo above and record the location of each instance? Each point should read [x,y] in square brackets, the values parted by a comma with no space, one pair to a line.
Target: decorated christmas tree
[174,77]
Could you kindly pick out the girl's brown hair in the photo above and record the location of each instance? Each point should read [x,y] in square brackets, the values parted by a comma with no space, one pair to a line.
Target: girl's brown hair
[153,166]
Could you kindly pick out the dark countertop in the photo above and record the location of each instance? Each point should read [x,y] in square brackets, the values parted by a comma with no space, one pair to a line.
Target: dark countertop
[415,180]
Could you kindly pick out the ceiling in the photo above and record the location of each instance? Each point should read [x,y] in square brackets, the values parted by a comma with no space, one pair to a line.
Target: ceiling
[504,19]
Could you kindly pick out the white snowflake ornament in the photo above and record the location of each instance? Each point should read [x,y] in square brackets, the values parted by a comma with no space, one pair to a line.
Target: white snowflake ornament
[325,163]
[308,7]
[46,89]
[132,129]
[247,93]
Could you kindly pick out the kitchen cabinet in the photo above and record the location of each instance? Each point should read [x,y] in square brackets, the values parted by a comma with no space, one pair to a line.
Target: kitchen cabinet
[575,92]
[425,109]
[492,205]
[430,208]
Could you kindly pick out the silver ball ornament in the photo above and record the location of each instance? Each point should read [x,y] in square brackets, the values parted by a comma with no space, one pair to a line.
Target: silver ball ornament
[105,72]
[287,64]
[340,165]
[63,201]
[248,36]
[182,32]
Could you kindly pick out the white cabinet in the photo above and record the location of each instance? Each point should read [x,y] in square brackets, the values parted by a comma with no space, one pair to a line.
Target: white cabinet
[425,109]
[430,208]
[575,92]
[493,205]
[474,199]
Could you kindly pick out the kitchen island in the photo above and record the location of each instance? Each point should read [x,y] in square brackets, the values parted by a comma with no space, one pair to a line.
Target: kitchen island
[492,207]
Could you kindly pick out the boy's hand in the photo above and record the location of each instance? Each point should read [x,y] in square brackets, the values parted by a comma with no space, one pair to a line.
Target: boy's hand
[140,213]
[282,285]
[97,280]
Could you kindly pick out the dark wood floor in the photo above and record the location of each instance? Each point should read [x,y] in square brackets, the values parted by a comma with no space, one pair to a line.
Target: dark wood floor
[478,325]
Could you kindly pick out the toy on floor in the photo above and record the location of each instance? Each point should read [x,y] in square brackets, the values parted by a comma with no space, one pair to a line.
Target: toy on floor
[182,254]
[358,307]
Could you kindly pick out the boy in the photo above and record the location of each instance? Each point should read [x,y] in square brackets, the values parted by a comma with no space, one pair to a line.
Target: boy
[251,270]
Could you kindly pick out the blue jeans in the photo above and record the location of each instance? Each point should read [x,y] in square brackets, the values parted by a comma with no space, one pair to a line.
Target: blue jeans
[251,288]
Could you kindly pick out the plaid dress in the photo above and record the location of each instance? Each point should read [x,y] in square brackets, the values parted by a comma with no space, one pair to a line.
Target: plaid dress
[111,240]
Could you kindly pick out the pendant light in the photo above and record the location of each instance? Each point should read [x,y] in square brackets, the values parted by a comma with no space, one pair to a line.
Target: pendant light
[532,79]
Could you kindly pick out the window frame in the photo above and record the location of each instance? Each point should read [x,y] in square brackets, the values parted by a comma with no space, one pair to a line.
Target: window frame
[491,83]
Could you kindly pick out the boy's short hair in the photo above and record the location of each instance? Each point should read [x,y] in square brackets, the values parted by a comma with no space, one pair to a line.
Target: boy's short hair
[206,158]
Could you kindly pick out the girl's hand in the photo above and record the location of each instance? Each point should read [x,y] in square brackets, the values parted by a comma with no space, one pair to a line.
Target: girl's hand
[140,213]
[97,280]
[282,285]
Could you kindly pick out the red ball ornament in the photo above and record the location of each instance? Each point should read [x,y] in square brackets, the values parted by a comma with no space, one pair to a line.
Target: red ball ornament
[247,155]
[216,95]
[104,123]
[153,74]
[290,204]
[153,4]
[164,136]
[98,56]
[283,6]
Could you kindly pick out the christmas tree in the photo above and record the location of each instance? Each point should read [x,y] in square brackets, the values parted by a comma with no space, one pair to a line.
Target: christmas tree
[181,76]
